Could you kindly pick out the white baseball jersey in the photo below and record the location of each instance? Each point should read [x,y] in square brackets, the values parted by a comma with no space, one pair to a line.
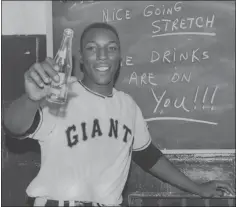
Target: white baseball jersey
[86,146]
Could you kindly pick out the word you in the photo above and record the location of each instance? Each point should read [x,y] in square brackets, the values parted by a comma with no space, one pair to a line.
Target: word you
[180,103]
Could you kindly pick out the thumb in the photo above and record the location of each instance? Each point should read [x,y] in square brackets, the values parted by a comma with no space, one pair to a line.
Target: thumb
[219,193]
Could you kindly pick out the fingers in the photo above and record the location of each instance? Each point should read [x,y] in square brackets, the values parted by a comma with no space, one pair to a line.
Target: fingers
[42,73]
[221,185]
[33,76]
[219,193]
[51,68]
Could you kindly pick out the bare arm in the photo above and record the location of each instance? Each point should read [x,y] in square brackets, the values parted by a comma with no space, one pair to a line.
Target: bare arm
[19,116]
[166,171]
[153,160]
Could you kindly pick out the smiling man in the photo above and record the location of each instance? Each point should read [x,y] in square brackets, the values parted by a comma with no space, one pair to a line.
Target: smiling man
[86,154]
[101,58]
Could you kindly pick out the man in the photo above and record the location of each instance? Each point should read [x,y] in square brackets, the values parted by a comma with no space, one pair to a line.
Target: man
[86,153]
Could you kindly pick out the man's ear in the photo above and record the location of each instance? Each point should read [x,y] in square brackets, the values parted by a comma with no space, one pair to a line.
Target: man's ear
[80,57]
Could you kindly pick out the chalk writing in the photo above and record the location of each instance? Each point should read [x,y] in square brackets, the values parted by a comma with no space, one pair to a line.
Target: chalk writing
[151,10]
[195,98]
[200,98]
[169,26]
[128,60]
[145,78]
[172,56]
[115,15]
[183,77]
[180,119]
[180,103]
[213,97]
[168,101]
[204,98]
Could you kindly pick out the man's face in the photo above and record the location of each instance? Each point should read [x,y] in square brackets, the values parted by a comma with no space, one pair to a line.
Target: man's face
[100,56]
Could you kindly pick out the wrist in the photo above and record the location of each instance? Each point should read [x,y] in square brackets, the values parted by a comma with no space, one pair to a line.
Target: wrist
[32,101]
[198,189]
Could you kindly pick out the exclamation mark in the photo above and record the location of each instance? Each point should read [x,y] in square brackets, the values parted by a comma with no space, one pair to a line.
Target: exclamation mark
[195,99]
[213,97]
[204,98]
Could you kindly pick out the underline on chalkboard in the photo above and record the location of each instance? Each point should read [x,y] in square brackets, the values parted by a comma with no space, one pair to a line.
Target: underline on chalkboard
[180,119]
[185,33]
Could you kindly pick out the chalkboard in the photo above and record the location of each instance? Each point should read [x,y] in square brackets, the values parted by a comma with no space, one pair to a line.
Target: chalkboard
[178,64]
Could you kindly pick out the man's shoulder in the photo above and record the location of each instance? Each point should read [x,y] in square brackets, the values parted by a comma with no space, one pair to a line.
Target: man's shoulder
[125,97]
[74,85]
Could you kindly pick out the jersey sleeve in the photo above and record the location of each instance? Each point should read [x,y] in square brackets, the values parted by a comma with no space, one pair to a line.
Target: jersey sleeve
[47,119]
[45,125]
[142,138]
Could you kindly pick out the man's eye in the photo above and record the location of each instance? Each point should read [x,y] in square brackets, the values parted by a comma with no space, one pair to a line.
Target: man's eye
[91,48]
[112,48]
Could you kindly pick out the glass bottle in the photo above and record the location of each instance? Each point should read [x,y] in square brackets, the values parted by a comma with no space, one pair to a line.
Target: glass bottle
[63,59]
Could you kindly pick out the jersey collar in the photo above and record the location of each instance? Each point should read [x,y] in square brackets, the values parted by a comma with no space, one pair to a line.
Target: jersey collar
[95,93]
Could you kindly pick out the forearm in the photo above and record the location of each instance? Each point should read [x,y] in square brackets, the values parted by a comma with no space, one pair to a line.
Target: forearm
[166,171]
[19,116]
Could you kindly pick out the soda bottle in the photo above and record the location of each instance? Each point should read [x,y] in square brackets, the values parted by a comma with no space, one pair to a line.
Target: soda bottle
[63,59]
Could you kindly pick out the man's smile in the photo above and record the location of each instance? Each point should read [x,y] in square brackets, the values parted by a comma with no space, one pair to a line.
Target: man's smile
[102,68]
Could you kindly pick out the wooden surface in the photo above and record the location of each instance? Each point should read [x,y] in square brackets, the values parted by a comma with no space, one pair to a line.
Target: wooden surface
[145,190]
[187,103]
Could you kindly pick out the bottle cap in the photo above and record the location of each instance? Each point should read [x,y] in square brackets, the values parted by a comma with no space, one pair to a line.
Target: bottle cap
[69,32]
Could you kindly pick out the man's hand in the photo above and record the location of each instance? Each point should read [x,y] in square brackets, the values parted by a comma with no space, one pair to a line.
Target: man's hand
[215,188]
[38,78]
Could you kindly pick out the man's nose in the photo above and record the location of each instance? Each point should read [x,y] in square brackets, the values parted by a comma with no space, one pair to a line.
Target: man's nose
[102,54]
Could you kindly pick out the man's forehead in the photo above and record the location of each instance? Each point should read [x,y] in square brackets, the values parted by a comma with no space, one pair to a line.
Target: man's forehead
[94,33]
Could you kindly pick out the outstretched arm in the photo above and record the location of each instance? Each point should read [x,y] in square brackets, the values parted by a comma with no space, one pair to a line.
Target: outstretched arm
[152,160]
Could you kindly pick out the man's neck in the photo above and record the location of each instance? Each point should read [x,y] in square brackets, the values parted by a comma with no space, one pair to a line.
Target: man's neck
[105,90]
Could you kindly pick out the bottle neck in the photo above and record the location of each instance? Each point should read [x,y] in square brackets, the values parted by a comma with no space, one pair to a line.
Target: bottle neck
[64,53]
[66,42]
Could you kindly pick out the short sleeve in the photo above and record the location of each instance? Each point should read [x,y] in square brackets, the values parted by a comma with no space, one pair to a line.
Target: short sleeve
[142,138]
[45,126]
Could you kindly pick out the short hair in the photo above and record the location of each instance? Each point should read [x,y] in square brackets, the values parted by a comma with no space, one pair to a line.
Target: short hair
[97,25]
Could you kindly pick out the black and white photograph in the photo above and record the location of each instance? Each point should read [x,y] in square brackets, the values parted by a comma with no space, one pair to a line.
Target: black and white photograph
[118,103]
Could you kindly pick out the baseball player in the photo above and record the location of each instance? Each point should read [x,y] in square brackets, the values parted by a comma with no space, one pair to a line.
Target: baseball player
[86,151]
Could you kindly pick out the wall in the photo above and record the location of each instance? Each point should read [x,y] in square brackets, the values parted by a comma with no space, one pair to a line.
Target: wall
[28,17]
[26,28]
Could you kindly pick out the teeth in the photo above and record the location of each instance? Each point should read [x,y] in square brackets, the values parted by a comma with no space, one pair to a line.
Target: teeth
[102,68]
